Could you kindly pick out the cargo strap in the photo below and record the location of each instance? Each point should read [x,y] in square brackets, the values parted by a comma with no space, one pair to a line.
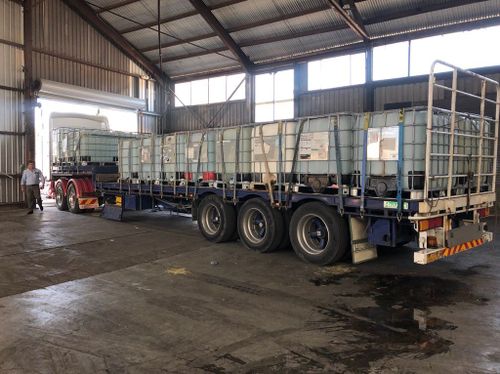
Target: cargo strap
[266,163]
[223,164]
[294,163]
[401,138]
[335,122]
[364,160]
[237,163]
[202,140]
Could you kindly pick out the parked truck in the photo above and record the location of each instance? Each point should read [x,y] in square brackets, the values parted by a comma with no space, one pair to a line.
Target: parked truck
[327,186]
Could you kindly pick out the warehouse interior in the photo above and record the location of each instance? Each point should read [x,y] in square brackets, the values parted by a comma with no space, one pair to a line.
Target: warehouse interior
[79,293]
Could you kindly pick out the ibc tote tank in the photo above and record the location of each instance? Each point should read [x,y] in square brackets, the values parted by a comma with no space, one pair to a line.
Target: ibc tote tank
[317,158]
[265,150]
[232,153]
[206,169]
[382,149]
[141,162]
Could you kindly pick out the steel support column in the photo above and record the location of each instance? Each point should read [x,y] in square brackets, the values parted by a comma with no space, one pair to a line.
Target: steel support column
[29,99]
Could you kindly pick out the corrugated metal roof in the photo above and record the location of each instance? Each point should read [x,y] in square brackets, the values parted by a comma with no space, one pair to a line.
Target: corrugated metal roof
[262,10]
[145,11]
[305,26]
[183,29]
[311,22]
[182,49]
[424,21]
[192,65]
[300,46]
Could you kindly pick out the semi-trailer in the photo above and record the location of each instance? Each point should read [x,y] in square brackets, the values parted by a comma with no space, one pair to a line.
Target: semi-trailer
[327,186]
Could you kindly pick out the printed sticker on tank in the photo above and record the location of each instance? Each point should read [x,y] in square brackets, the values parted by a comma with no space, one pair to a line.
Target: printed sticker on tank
[383,143]
[145,155]
[314,146]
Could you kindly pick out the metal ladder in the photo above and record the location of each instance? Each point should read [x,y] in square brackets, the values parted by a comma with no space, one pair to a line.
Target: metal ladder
[453,135]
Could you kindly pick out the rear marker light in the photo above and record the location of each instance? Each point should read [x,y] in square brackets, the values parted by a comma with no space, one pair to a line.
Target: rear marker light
[427,224]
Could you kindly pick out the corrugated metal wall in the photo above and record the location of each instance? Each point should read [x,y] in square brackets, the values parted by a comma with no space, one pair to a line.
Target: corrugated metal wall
[235,113]
[349,99]
[346,99]
[69,50]
[11,99]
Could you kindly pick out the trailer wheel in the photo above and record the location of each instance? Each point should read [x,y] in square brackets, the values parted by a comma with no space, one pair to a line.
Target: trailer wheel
[216,219]
[72,199]
[61,202]
[318,234]
[260,227]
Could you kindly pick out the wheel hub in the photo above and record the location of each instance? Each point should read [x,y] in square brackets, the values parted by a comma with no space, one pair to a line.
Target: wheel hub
[313,234]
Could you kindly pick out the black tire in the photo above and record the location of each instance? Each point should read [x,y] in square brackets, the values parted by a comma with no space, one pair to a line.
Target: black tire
[261,228]
[285,241]
[216,219]
[61,202]
[72,199]
[319,235]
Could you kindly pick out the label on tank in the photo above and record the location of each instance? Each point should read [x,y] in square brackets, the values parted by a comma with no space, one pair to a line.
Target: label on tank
[145,155]
[314,146]
[383,143]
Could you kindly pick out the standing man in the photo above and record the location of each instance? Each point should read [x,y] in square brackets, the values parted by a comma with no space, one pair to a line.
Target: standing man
[30,184]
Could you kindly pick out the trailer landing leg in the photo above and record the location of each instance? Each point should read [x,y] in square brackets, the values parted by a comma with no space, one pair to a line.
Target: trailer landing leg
[360,248]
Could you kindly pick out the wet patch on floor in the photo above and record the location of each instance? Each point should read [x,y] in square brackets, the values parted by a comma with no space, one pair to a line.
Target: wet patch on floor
[400,325]
[471,270]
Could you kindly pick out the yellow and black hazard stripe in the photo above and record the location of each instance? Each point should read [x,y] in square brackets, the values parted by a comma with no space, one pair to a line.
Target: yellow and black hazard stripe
[462,247]
[445,252]
[88,202]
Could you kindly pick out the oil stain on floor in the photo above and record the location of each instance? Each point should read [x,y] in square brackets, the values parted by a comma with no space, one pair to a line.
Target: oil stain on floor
[399,325]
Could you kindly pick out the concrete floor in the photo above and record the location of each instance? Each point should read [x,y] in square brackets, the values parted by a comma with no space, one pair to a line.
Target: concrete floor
[79,294]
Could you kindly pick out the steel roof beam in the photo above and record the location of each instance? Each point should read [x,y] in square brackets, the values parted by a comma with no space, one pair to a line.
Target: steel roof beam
[360,46]
[117,5]
[88,14]
[386,17]
[356,47]
[214,23]
[178,42]
[354,24]
[246,26]
[128,2]
[371,21]
[190,55]
[162,21]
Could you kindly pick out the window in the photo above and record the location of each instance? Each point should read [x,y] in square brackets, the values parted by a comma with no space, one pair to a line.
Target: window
[390,61]
[274,96]
[210,91]
[467,49]
[336,72]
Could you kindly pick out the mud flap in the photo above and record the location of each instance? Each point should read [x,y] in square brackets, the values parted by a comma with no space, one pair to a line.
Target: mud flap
[360,248]
[112,212]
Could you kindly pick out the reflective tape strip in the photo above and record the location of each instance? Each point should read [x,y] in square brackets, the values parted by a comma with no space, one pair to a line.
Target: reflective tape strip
[422,257]
[462,247]
[87,203]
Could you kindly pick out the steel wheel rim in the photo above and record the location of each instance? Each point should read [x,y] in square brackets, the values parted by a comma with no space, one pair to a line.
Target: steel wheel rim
[255,226]
[59,196]
[313,234]
[212,220]
[71,197]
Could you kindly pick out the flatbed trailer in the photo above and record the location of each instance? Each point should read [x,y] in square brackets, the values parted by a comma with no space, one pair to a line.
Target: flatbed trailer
[322,227]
